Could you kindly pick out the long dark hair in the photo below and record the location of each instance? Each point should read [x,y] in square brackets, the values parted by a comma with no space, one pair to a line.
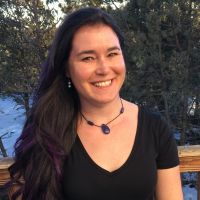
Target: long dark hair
[50,129]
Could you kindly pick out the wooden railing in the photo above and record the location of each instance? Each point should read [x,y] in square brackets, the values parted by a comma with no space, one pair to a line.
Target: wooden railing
[189,158]
[189,162]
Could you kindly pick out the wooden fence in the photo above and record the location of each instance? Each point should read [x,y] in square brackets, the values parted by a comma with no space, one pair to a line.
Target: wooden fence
[189,162]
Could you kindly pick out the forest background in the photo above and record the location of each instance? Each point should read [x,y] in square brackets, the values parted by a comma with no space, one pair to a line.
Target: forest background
[162,53]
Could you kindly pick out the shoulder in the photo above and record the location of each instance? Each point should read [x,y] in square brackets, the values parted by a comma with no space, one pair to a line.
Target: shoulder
[147,118]
[151,118]
[155,126]
[147,112]
[143,114]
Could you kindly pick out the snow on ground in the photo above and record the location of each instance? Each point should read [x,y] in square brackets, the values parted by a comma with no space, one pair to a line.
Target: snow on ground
[11,122]
[189,193]
[12,119]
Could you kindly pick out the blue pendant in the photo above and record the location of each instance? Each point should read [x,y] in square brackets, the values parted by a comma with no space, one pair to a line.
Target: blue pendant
[105,129]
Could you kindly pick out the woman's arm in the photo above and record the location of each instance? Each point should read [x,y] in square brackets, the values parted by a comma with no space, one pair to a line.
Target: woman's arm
[169,184]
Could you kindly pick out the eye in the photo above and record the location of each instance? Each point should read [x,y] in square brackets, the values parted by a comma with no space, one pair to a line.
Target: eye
[87,59]
[112,54]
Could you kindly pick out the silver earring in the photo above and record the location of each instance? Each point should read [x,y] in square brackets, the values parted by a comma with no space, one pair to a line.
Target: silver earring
[69,84]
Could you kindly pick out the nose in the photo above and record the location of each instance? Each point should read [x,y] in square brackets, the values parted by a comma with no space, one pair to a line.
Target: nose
[103,67]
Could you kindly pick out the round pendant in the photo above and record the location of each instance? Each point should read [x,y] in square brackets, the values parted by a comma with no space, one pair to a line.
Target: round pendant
[105,129]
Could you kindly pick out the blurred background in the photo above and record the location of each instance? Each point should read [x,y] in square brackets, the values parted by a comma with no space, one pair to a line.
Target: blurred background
[162,53]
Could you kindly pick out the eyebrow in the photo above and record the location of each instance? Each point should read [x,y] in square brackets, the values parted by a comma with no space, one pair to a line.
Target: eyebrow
[93,51]
[114,48]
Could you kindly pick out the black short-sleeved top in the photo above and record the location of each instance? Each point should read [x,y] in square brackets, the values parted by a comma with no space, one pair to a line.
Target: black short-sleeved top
[154,148]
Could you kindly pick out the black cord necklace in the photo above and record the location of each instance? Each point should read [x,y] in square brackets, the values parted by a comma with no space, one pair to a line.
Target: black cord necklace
[104,127]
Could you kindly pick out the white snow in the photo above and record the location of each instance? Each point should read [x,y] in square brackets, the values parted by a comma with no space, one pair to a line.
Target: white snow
[189,193]
[11,122]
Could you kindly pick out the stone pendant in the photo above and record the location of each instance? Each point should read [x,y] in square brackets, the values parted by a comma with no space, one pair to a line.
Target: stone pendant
[105,129]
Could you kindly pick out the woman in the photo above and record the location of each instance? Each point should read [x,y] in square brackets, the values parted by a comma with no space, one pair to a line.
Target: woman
[81,140]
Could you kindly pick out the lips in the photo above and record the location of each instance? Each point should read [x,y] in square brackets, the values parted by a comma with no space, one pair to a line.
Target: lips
[103,83]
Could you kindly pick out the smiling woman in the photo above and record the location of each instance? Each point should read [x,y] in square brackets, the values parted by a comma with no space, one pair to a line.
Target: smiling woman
[96,64]
[81,140]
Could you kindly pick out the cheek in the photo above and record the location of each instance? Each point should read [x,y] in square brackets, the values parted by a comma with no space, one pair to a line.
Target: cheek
[121,67]
[79,75]
[122,71]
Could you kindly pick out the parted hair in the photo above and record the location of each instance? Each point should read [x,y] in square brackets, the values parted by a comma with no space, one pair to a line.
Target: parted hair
[50,128]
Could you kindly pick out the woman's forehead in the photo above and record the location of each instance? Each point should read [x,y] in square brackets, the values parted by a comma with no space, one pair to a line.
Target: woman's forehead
[91,36]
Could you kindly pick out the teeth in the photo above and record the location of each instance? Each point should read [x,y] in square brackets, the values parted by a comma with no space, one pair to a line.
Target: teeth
[103,84]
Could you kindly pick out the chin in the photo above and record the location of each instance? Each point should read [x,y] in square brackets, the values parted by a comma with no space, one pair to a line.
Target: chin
[106,99]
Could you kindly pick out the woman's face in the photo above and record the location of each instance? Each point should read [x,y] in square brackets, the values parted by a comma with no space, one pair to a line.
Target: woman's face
[96,64]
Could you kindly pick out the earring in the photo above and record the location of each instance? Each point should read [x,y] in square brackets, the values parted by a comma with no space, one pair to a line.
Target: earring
[69,84]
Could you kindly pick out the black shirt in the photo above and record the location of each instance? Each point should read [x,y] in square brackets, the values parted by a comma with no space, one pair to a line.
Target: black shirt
[154,148]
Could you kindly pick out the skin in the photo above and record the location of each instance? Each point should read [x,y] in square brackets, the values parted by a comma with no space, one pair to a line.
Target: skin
[169,184]
[96,60]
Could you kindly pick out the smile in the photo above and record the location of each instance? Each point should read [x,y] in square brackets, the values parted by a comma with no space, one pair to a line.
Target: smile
[103,83]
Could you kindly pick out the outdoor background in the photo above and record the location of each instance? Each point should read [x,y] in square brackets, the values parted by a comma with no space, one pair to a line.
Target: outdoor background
[162,55]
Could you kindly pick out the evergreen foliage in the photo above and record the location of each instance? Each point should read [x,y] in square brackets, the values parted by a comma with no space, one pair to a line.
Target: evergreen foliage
[26,31]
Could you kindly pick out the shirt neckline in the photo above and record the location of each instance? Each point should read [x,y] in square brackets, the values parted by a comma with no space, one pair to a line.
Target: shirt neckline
[125,164]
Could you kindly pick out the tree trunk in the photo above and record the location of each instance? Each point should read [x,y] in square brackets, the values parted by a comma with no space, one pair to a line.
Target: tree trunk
[2,148]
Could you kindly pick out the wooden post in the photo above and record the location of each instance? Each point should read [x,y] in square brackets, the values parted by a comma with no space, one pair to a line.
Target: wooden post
[189,158]
[4,174]
[190,162]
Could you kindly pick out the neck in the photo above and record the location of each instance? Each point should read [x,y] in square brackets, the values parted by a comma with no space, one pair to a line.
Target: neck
[101,113]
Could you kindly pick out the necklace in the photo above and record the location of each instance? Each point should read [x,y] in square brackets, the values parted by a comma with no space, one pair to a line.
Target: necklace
[104,127]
